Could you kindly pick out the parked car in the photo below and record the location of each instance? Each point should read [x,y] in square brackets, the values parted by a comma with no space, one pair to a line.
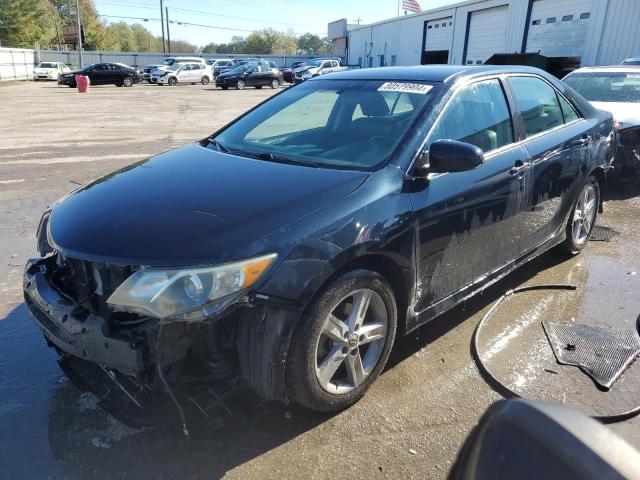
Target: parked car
[49,70]
[290,248]
[632,61]
[250,75]
[316,68]
[289,73]
[103,74]
[615,90]
[183,73]
[235,63]
[145,72]
[218,64]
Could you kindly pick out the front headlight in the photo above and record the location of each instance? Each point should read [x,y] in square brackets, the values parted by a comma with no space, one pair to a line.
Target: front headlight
[186,293]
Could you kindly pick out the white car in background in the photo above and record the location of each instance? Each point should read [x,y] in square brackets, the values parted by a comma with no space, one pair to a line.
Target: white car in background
[49,70]
[616,90]
[183,73]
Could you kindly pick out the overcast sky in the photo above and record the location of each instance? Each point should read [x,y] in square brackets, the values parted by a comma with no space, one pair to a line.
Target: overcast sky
[299,16]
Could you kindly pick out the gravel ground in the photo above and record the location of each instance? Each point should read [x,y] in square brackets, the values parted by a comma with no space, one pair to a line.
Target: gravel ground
[412,422]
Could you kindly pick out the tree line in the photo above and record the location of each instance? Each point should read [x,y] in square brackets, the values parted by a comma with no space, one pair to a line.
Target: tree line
[40,23]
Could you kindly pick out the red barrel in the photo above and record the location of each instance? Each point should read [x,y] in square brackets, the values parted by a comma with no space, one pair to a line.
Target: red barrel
[82,82]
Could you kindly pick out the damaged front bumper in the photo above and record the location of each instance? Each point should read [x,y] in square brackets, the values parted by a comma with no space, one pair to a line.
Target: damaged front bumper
[75,331]
[248,343]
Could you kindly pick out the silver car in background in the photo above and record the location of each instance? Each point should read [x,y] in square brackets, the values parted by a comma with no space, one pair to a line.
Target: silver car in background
[615,89]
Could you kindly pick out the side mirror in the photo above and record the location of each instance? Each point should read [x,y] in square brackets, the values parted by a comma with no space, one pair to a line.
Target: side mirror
[450,156]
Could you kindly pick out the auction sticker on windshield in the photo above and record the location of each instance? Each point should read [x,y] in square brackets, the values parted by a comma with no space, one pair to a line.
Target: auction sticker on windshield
[405,87]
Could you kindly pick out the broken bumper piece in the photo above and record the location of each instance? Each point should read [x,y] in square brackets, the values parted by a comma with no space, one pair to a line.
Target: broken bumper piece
[76,331]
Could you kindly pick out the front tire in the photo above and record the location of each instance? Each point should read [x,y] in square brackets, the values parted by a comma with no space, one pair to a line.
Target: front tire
[583,218]
[342,342]
[127,81]
[275,84]
[172,81]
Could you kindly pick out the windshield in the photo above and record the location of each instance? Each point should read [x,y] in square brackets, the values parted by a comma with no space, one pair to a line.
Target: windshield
[174,68]
[314,63]
[47,65]
[606,87]
[168,61]
[632,62]
[352,124]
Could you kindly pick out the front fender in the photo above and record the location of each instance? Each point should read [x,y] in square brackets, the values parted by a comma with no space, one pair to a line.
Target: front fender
[375,220]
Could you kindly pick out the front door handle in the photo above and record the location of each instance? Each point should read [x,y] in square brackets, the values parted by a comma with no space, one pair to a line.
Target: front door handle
[519,168]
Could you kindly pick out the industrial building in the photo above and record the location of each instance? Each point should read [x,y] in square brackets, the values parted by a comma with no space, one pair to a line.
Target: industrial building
[597,32]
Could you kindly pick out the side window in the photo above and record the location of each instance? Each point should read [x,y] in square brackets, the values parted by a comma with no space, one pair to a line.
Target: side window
[568,111]
[479,115]
[538,103]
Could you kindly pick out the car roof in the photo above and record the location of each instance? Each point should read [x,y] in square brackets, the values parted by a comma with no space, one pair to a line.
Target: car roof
[609,69]
[429,73]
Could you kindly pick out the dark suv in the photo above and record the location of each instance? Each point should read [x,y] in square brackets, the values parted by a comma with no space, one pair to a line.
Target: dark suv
[290,248]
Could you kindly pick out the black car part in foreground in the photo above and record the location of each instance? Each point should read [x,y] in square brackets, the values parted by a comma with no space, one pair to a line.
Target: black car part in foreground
[289,248]
[104,74]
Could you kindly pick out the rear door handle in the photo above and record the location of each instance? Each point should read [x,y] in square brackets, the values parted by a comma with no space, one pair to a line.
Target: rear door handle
[584,140]
[519,168]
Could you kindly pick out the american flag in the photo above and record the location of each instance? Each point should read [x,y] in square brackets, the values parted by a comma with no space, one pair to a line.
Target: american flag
[411,6]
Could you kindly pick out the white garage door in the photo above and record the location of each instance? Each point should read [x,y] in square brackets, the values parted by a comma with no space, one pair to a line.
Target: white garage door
[439,34]
[487,31]
[559,28]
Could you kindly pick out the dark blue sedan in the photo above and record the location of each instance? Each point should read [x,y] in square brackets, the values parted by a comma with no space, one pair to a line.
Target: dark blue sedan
[292,247]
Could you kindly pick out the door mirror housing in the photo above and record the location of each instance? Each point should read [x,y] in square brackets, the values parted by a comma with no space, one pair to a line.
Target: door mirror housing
[450,156]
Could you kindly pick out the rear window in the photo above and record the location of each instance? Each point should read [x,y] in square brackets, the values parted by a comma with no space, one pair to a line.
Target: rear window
[538,104]
[623,87]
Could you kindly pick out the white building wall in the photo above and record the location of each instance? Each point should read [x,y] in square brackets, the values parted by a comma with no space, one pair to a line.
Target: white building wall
[613,32]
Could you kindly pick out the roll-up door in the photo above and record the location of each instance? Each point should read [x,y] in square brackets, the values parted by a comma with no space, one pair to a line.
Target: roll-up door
[486,36]
[559,28]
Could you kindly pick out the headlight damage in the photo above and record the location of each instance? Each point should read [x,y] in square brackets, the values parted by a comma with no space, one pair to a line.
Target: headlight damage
[186,294]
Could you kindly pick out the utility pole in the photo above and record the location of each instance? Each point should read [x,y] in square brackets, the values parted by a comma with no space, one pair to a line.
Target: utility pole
[79,42]
[164,47]
[168,34]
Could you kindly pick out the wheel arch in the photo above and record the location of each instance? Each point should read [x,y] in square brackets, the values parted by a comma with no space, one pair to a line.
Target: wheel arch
[386,267]
[601,176]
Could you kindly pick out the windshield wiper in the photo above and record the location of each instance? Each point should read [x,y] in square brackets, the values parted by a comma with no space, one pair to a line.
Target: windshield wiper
[271,157]
[219,146]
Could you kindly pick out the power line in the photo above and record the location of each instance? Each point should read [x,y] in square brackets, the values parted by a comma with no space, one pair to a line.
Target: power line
[233,17]
[181,22]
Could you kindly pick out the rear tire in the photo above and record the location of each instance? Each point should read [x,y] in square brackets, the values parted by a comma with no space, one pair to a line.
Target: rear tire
[205,81]
[582,218]
[336,351]
[241,85]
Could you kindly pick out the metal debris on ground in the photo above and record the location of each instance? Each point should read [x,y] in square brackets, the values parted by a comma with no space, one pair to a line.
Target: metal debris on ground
[603,234]
[602,353]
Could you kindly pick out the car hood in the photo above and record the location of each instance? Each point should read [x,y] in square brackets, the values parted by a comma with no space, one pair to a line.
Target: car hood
[191,206]
[628,114]
[229,73]
[44,70]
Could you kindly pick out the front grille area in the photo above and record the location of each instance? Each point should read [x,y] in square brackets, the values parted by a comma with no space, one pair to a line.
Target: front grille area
[89,284]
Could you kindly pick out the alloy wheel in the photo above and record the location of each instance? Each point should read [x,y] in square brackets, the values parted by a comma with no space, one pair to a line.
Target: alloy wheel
[241,84]
[127,82]
[351,341]
[584,214]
